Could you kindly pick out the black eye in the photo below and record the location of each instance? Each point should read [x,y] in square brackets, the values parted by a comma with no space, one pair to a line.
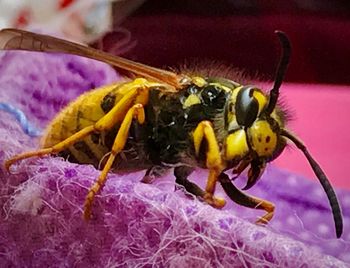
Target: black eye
[213,96]
[247,107]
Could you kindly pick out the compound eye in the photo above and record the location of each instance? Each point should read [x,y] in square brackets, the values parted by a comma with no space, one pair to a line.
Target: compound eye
[246,107]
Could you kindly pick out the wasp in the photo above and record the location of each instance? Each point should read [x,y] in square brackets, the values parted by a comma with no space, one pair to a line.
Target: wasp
[160,119]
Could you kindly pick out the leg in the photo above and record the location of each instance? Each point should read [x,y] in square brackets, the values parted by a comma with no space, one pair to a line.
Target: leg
[245,200]
[119,143]
[133,92]
[213,160]
[181,174]
[153,173]
[52,150]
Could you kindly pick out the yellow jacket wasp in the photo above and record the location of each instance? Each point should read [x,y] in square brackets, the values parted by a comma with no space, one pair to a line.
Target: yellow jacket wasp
[163,118]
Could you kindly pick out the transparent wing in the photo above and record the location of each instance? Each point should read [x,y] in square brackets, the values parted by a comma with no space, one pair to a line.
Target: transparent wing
[15,39]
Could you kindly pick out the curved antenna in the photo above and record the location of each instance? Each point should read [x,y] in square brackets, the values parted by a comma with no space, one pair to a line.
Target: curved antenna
[281,71]
[332,198]
[15,39]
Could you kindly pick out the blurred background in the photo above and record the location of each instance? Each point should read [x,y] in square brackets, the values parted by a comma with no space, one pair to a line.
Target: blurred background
[242,33]
[238,33]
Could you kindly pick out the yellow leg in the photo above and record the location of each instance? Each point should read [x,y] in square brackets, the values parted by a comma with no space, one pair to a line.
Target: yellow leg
[119,143]
[54,149]
[213,161]
[135,92]
[268,207]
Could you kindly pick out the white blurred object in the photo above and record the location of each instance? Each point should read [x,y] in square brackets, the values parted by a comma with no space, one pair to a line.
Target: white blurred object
[79,20]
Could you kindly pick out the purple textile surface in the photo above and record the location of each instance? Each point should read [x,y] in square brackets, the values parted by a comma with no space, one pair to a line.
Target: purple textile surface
[136,224]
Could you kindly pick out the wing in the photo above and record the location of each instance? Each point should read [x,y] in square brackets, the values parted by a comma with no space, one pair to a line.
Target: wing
[15,39]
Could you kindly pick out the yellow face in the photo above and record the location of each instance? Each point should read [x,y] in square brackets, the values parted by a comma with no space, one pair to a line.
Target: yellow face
[263,139]
[251,132]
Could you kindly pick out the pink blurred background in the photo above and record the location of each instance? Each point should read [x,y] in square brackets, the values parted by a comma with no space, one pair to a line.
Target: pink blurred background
[321,120]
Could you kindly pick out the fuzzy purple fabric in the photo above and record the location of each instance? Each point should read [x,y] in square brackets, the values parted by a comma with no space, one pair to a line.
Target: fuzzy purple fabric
[136,224]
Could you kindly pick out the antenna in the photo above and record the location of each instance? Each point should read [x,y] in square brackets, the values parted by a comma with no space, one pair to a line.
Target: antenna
[332,198]
[281,71]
